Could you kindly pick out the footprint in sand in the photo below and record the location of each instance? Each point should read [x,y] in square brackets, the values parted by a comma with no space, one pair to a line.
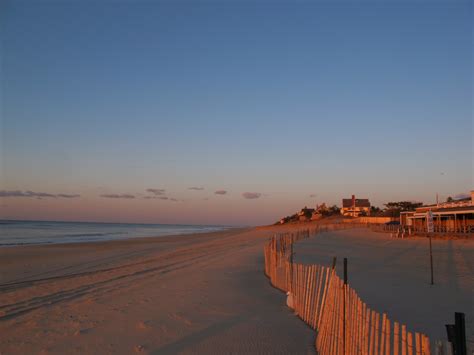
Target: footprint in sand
[143,325]
[139,348]
[82,331]
[179,317]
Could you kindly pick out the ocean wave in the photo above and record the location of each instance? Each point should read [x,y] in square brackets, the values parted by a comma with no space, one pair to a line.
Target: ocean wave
[17,233]
[14,244]
[85,235]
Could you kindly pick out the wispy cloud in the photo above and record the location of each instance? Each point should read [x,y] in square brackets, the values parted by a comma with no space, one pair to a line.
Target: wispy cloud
[28,193]
[68,195]
[155,198]
[220,192]
[156,191]
[461,195]
[251,195]
[126,196]
[196,188]
[16,193]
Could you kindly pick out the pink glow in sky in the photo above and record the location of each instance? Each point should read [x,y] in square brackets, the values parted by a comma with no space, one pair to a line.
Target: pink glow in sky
[231,113]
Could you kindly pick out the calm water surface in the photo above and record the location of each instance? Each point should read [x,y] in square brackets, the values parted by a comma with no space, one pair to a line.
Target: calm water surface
[40,232]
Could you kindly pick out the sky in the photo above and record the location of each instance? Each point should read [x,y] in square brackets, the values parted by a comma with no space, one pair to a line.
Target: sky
[230,112]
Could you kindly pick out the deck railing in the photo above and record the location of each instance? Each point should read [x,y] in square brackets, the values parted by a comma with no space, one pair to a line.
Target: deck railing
[466,231]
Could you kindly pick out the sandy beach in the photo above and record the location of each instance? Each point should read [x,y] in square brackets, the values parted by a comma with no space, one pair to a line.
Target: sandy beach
[393,276]
[201,293]
[206,293]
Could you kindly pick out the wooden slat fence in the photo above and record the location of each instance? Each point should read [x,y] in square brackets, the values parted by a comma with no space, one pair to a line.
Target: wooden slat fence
[344,323]
[400,231]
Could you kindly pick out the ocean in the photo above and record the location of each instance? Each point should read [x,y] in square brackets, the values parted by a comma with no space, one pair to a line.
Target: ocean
[14,233]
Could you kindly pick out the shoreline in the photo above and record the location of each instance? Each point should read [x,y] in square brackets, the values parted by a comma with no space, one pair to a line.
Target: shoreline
[83,236]
[87,249]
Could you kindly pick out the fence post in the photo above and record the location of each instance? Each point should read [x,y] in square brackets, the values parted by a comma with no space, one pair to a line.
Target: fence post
[457,334]
[345,271]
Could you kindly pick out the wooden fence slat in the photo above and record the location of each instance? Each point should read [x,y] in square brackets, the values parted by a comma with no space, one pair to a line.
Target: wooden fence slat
[323,298]
[350,320]
[410,343]
[335,299]
[297,288]
[377,330]
[324,327]
[396,338]
[372,334]
[366,329]
[404,340]
[387,338]
[359,320]
[382,335]
[300,289]
[304,275]
[341,318]
[315,288]
[304,290]
[333,318]
[295,285]
[425,344]
[353,321]
[360,341]
[308,292]
[332,312]
[310,295]
[318,295]
[418,343]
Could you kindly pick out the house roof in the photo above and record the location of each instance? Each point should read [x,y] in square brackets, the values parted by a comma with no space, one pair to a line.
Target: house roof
[468,208]
[359,202]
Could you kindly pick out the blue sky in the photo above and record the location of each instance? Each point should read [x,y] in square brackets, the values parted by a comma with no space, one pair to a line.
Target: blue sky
[287,99]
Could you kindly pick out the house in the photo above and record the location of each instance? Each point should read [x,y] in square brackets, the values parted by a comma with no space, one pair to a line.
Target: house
[452,216]
[355,207]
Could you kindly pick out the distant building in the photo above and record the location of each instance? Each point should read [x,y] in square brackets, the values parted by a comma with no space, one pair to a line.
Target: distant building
[456,215]
[355,207]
